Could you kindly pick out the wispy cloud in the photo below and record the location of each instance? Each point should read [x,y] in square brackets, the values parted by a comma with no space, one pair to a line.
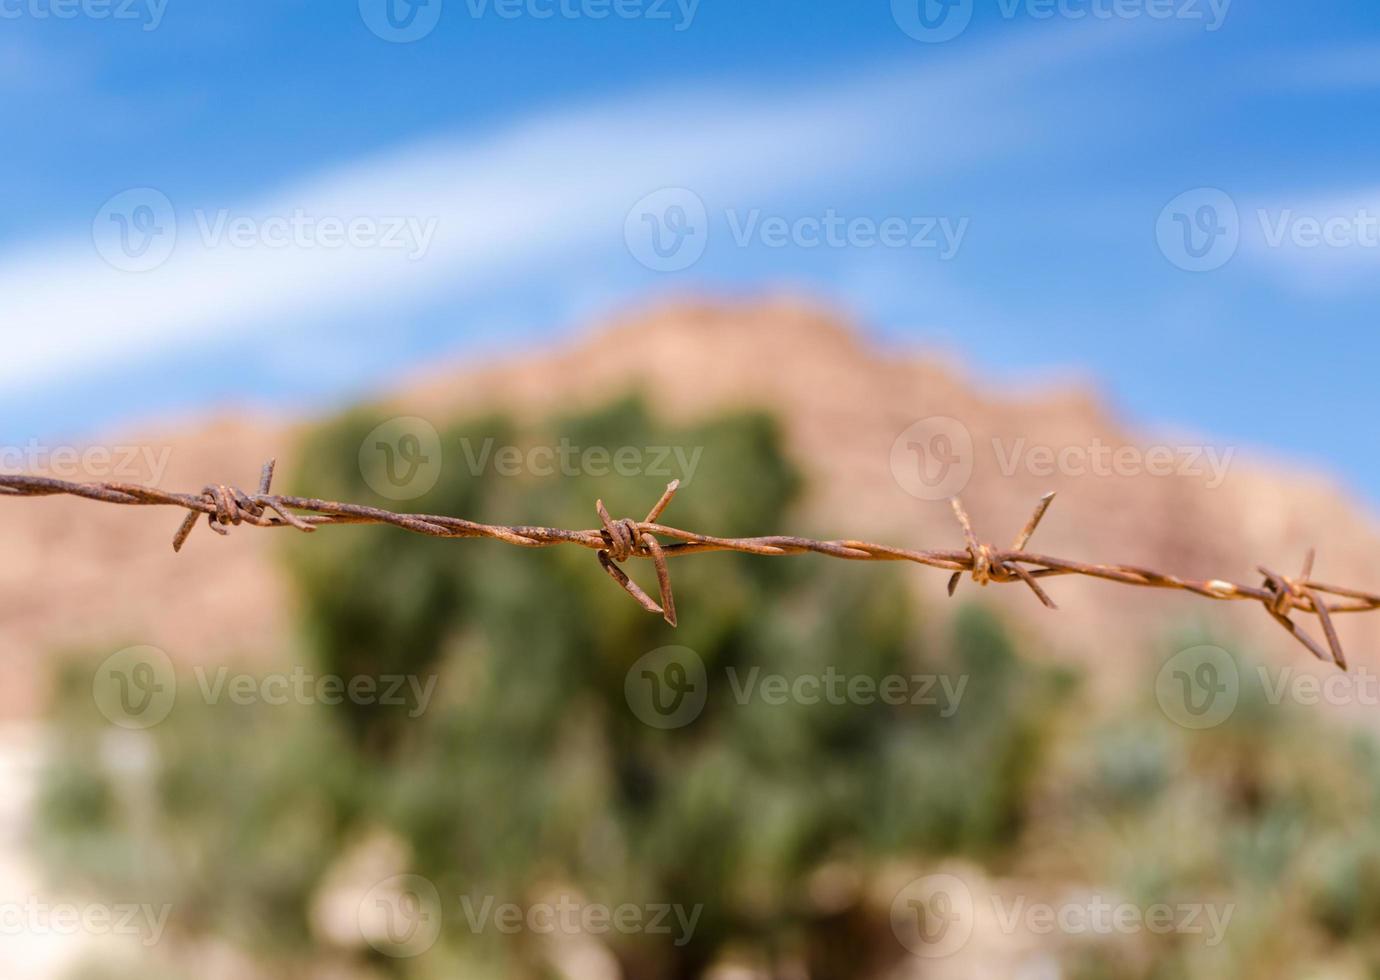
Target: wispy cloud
[451,214]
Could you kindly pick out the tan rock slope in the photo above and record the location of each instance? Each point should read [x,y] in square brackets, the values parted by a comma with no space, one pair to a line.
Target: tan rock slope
[80,573]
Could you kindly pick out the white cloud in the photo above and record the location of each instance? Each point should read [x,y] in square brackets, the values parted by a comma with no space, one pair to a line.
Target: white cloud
[502,205]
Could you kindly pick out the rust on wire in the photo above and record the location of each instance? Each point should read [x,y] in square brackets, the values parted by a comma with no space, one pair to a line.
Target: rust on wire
[618,540]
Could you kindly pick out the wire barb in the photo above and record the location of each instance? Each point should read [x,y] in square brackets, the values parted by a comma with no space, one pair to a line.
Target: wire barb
[617,541]
[232,506]
[1288,594]
[1002,567]
[625,539]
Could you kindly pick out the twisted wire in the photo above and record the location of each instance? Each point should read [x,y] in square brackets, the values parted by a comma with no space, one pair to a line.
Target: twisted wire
[619,540]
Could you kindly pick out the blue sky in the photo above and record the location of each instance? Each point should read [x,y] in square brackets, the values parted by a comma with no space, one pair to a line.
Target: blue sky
[1174,198]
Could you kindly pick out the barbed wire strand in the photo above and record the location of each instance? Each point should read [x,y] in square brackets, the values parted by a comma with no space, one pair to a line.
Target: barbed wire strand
[618,540]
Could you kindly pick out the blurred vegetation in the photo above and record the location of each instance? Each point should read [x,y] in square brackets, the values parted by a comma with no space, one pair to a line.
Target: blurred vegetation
[528,771]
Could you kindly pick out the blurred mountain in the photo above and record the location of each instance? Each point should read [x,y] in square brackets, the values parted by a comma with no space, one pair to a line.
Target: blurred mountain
[78,573]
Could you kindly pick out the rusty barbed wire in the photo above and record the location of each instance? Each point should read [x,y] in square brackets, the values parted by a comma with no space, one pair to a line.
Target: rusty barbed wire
[618,540]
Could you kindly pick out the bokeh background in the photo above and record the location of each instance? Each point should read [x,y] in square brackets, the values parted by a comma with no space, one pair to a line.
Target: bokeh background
[827,265]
